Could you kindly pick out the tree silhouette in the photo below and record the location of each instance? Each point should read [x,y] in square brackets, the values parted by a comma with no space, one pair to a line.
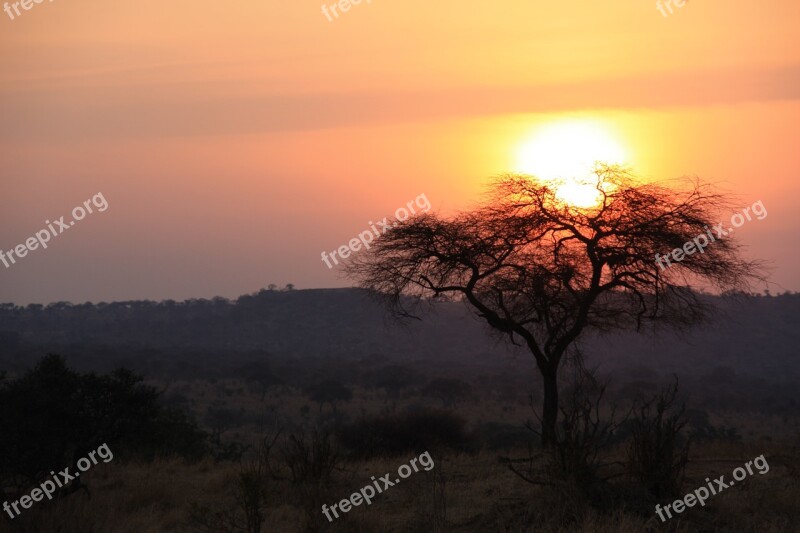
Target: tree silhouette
[393,379]
[542,273]
[258,372]
[329,391]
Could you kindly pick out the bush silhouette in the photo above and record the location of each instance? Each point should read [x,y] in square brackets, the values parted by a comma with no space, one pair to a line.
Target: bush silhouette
[52,416]
[400,433]
[658,452]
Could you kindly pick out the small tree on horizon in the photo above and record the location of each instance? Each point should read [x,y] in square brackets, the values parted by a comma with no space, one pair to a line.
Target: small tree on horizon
[541,272]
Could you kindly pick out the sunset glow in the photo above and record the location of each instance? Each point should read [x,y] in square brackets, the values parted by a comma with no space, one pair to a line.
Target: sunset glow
[565,152]
[263,250]
[267,132]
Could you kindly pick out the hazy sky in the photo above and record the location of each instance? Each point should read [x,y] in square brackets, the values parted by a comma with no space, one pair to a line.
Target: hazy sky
[235,141]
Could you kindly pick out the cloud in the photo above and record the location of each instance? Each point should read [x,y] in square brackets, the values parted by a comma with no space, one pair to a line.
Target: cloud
[150,109]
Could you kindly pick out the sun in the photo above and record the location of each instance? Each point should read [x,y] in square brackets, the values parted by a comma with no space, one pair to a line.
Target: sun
[565,152]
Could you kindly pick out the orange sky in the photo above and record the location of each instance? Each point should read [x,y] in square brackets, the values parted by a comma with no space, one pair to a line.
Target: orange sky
[235,141]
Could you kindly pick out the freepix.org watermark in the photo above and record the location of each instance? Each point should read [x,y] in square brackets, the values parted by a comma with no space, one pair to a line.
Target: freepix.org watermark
[382,483]
[342,5]
[26,5]
[702,494]
[668,4]
[366,237]
[699,243]
[62,479]
[42,237]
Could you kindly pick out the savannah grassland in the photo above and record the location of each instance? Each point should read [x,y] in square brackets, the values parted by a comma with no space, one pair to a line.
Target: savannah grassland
[469,489]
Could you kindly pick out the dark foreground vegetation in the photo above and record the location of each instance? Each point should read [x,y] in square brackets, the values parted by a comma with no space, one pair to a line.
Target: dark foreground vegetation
[238,439]
[269,456]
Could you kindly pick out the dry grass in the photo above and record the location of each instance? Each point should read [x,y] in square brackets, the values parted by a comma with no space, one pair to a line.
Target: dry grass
[481,496]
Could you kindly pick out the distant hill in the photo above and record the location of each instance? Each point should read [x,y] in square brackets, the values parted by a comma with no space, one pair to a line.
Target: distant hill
[323,322]
[753,336]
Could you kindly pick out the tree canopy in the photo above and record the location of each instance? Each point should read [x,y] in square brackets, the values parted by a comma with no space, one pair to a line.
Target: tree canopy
[543,272]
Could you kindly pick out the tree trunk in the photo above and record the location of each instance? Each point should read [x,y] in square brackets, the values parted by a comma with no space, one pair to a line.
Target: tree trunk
[550,408]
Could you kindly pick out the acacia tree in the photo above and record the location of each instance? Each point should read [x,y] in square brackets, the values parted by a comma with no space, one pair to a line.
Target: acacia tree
[542,272]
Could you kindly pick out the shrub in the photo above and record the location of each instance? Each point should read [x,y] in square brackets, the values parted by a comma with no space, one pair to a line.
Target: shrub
[252,492]
[703,430]
[310,458]
[572,462]
[499,436]
[51,416]
[405,432]
[658,453]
